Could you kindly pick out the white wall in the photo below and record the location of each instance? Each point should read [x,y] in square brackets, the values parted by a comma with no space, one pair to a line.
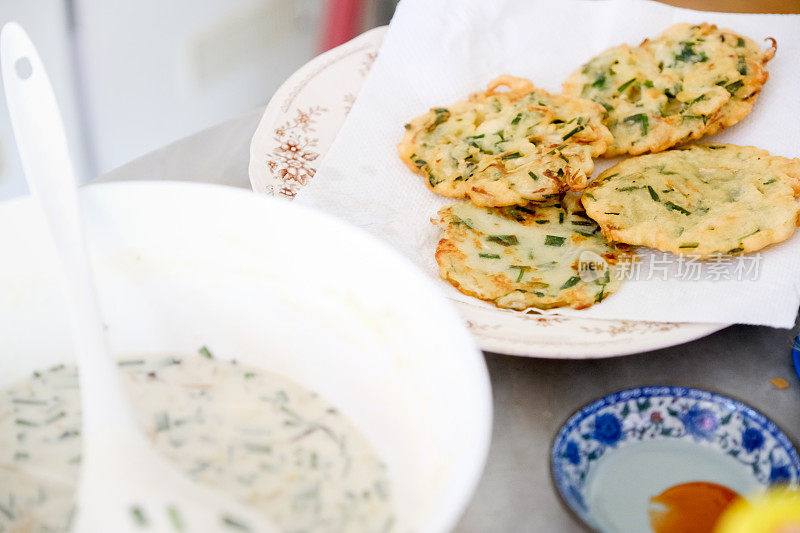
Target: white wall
[149,72]
[46,22]
[156,70]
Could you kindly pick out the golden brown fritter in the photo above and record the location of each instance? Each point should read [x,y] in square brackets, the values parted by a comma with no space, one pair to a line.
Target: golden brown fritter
[542,256]
[692,80]
[699,200]
[506,147]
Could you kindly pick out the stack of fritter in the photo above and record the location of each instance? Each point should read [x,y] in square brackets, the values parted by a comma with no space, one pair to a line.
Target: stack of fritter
[520,155]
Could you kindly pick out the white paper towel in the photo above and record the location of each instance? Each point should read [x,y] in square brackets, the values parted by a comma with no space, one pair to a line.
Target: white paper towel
[438,51]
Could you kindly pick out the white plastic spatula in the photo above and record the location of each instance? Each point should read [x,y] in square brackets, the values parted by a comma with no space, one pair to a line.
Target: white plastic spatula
[124,484]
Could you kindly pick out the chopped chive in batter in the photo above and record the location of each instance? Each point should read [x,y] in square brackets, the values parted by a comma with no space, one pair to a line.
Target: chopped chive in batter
[600,295]
[571,282]
[138,516]
[641,118]
[442,114]
[55,417]
[734,86]
[600,81]
[575,130]
[626,85]
[689,55]
[505,240]
[28,401]
[674,207]
[750,234]
[175,518]
[466,221]
[162,421]
[131,362]
[205,352]
[522,269]
[552,240]
[698,99]
[234,523]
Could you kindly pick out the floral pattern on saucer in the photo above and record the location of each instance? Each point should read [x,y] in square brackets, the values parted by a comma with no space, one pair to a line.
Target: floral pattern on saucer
[649,413]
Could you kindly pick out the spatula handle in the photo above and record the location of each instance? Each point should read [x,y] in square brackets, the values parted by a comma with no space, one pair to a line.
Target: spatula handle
[42,146]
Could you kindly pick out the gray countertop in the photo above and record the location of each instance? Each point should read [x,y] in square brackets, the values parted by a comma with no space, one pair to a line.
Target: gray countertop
[532,397]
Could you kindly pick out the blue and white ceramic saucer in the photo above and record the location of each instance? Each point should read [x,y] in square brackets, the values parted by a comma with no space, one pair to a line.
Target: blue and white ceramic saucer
[612,456]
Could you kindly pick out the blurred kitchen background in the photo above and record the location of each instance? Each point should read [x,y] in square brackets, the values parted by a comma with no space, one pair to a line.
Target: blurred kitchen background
[133,75]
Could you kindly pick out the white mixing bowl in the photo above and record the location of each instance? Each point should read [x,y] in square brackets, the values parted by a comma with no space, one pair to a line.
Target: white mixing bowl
[179,266]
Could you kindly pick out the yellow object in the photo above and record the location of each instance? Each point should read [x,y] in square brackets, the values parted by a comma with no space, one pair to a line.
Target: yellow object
[779,383]
[777,511]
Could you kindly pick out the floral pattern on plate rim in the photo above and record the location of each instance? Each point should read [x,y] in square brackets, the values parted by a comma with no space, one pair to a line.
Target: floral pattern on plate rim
[647,413]
[296,142]
[295,148]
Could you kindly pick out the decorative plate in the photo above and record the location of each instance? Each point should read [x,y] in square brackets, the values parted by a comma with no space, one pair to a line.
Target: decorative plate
[299,125]
[612,456]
